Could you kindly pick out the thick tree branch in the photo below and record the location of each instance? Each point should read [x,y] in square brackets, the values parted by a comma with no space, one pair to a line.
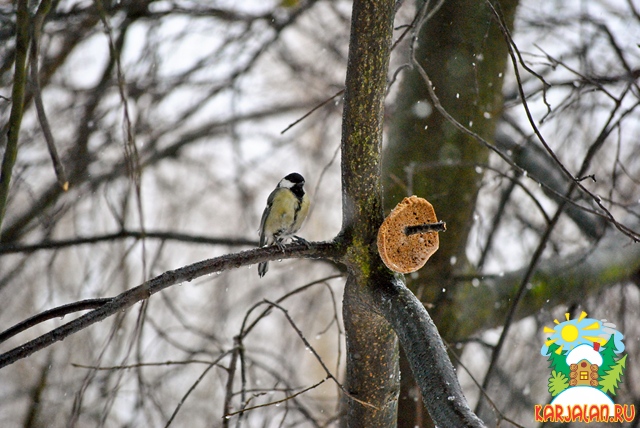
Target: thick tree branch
[58,312]
[184,274]
[427,355]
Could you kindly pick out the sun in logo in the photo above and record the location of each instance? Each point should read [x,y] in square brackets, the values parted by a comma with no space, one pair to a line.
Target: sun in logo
[571,333]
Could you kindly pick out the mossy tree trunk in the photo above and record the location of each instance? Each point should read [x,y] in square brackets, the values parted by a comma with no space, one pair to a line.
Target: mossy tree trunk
[372,346]
[377,306]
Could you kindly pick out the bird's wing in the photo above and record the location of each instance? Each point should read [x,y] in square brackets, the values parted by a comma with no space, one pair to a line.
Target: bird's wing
[265,214]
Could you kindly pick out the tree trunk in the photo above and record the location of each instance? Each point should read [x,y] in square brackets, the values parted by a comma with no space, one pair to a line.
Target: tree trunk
[376,302]
[372,363]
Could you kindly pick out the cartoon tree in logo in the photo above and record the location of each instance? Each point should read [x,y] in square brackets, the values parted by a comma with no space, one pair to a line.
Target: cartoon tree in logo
[611,370]
[559,379]
[611,380]
[608,356]
[558,360]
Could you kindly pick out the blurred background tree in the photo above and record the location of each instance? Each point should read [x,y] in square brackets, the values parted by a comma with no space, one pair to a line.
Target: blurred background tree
[168,120]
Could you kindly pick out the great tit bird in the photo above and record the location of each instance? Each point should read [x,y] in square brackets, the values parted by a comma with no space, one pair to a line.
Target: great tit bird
[287,207]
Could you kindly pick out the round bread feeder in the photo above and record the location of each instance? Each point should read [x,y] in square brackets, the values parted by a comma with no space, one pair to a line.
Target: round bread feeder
[408,236]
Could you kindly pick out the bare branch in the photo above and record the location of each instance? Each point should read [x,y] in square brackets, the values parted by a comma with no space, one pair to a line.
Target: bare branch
[310,112]
[12,248]
[535,258]
[231,373]
[246,328]
[273,403]
[59,312]
[159,283]
[426,353]
[318,358]
[36,28]
[149,364]
[516,59]
[17,104]
[501,415]
[189,391]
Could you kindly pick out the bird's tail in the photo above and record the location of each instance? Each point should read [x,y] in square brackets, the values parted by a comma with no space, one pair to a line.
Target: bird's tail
[263,268]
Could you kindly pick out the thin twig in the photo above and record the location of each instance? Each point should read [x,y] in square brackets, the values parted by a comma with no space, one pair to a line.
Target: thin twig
[516,59]
[138,365]
[310,112]
[186,395]
[246,328]
[497,218]
[17,104]
[273,403]
[244,331]
[501,415]
[315,354]
[439,226]
[231,372]
[36,29]
[125,234]
[316,189]
[547,234]
[422,17]
[635,236]
[130,149]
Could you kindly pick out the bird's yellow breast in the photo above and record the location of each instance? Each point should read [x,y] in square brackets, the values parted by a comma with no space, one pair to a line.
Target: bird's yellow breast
[304,210]
[287,213]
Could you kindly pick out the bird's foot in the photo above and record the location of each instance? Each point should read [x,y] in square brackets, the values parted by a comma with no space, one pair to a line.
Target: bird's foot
[300,240]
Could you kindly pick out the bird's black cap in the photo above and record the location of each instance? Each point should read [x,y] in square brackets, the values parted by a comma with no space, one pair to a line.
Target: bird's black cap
[294,177]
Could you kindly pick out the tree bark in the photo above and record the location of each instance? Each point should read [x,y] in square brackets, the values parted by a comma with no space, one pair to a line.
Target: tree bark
[372,349]
[375,301]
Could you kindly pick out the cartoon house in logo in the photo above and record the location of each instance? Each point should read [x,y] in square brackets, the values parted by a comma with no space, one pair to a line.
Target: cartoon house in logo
[586,364]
